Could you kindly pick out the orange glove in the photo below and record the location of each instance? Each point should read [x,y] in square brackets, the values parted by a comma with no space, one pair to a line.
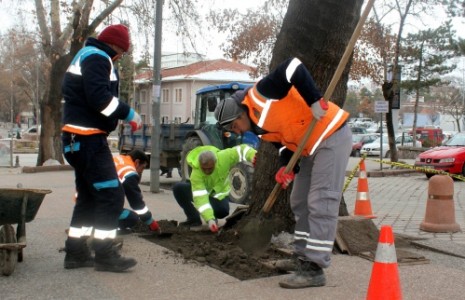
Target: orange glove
[154,226]
[284,179]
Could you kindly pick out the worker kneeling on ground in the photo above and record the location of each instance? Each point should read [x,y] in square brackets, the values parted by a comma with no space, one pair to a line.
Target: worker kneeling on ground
[130,168]
[207,193]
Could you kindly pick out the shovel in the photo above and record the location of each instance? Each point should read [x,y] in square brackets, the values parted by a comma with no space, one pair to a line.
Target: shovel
[256,234]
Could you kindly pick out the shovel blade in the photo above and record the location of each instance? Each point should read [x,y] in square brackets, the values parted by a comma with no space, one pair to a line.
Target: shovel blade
[255,235]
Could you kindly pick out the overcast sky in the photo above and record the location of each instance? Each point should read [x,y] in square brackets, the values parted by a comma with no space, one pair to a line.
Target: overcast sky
[208,44]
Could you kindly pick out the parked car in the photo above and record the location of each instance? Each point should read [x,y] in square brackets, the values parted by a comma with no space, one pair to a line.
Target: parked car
[363,122]
[359,130]
[358,140]
[374,148]
[449,158]
[32,133]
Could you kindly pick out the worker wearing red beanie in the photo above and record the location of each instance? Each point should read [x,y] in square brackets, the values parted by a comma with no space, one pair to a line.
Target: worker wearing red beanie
[117,35]
[92,110]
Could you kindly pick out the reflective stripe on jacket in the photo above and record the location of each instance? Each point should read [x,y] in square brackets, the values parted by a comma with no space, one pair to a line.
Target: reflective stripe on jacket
[286,120]
[90,92]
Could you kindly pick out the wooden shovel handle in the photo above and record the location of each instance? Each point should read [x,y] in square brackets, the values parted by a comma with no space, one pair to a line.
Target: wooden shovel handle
[328,94]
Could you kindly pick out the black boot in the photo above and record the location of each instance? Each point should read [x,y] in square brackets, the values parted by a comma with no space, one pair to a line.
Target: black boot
[308,274]
[108,259]
[77,254]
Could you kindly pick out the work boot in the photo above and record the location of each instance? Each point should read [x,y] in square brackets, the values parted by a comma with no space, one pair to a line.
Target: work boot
[111,261]
[191,223]
[308,274]
[78,255]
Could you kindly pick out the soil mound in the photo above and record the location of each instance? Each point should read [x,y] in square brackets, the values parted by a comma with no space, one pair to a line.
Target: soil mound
[219,251]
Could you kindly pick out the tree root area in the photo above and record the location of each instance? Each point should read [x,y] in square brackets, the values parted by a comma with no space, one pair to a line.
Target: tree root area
[219,251]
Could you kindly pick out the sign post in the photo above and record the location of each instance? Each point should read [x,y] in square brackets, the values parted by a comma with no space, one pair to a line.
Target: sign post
[381,107]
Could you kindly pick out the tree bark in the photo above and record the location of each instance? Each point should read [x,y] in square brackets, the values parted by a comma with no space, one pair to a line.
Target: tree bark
[317,32]
[54,43]
[50,117]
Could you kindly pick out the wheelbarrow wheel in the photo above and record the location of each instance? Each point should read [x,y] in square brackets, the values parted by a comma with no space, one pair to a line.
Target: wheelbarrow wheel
[8,257]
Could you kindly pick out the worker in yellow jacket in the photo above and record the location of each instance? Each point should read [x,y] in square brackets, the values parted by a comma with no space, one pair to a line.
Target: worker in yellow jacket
[206,196]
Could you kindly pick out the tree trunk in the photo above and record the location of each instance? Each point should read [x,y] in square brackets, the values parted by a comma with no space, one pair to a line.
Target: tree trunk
[50,117]
[317,32]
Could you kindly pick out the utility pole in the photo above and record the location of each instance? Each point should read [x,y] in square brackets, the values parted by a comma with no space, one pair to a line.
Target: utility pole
[156,87]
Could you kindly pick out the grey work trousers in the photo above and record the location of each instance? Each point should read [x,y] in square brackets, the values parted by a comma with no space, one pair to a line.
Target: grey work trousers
[316,195]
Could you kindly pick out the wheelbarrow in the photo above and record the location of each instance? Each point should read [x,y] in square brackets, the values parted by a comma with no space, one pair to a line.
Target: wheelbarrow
[17,206]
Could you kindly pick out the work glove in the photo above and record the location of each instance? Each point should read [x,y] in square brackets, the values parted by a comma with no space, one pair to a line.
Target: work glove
[319,108]
[134,120]
[213,225]
[254,160]
[154,226]
[284,179]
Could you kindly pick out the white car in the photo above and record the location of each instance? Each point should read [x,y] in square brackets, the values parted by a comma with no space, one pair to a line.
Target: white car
[374,148]
[32,133]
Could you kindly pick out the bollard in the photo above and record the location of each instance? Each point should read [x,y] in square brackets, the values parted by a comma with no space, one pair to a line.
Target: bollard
[17,161]
[440,211]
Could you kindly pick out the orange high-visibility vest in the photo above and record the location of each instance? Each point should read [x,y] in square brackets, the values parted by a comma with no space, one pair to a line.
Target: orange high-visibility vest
[124,167]
[286,120]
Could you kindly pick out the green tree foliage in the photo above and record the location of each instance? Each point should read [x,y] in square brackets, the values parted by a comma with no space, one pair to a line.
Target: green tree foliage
[425,56]
[454,7]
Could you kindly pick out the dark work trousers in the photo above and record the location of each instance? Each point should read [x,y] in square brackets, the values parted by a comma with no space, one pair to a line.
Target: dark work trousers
[182,192]
[100,196]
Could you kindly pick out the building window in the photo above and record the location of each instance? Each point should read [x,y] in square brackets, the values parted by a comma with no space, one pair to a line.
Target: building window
[178,98]
[164,120]
[143,96]
[177,120]
[166,96]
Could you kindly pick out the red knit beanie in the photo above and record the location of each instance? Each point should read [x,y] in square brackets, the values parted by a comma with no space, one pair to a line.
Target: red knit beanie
[116,35]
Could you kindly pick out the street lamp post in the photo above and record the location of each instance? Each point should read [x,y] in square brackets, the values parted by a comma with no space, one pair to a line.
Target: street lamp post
[156,87]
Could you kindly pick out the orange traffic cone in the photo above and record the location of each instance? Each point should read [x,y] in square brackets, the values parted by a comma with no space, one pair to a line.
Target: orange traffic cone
[384,282]
[362,203]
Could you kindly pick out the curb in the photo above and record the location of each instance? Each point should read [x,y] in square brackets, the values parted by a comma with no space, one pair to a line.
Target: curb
[46,169]
[374,173]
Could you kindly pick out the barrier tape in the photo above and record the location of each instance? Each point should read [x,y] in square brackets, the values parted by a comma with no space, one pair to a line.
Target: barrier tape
[420,169]
[402,165]
[352,174]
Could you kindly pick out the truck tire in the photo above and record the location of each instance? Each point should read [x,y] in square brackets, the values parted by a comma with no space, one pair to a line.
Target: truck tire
[189,144]
[240,177]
